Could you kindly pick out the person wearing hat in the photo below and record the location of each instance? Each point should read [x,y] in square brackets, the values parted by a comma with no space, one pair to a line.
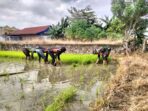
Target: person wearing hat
[55,53]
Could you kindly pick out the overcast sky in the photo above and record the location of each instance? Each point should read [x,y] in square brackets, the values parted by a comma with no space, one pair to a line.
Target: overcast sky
[28,13]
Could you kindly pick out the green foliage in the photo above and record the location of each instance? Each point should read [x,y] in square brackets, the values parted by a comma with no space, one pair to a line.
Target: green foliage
[57,31]
[92,32]
[116,26]
[81,29]
[115,36]
[102,34]
[62,99]
[77,29]
[130,15]
[129,11]
[118,7]
[84,25]
[83,14]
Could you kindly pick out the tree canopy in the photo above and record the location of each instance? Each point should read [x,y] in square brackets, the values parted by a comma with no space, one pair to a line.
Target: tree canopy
[83,23]
[85,14]
[130,14]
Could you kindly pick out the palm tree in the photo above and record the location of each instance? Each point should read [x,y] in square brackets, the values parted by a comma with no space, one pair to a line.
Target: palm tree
[57,31]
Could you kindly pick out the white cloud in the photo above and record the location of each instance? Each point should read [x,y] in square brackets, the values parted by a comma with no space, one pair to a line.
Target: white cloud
[26,13]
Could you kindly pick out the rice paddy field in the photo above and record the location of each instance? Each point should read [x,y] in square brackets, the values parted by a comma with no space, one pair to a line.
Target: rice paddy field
[66,58]
[30,86]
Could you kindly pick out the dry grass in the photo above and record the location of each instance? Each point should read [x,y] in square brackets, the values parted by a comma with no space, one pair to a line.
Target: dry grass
[128,90]
[59,41]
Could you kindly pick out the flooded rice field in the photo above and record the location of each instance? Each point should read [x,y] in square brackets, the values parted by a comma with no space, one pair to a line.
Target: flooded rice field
[28,86]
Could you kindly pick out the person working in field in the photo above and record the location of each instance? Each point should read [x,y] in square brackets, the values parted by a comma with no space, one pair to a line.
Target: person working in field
[26,51]
[40,52]
[55,54]
[104,52]
[29,53]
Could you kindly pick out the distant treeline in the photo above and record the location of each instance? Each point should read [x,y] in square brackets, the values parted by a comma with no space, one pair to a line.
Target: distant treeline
[83,24]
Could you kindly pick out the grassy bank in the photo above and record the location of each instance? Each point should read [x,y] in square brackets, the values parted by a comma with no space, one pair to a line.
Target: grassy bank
[60,100]
[65,58]
[127,91]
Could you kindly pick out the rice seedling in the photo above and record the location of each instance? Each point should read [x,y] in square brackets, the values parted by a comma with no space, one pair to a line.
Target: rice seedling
[65,58]
[60,100]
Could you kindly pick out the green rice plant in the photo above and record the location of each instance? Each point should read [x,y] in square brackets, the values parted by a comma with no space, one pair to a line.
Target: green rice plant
[78,58]
[66,58]
[13,54]
[60,100]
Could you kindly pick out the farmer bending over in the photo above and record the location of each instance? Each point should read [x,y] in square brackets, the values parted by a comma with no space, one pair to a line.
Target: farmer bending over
[40,51]
[55,53]
[27,53]
[104,52]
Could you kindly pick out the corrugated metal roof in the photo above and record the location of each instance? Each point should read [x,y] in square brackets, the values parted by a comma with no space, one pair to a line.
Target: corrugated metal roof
[30,30]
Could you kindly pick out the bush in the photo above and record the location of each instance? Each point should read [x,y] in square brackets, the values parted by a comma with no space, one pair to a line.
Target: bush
[102,34]
[81,29]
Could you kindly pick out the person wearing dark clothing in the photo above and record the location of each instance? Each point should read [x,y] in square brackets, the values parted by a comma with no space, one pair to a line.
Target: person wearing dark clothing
[105,55]
[55,53]
[27,53]
[104,52]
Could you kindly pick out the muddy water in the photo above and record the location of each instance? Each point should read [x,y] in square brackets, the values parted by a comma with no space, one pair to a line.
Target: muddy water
[31,87]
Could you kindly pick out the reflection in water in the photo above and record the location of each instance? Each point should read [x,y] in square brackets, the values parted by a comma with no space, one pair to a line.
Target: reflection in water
[35,88]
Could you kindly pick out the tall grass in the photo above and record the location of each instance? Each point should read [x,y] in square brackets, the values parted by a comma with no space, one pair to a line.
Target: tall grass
[65,58]
[60,100]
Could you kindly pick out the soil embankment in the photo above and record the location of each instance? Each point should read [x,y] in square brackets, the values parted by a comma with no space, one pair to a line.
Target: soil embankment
[72,47]
[128,90]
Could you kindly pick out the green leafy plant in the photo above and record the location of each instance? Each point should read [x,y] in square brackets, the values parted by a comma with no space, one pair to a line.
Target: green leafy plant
[60,100]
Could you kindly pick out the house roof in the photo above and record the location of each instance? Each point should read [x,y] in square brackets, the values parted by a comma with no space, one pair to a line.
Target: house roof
[30,30]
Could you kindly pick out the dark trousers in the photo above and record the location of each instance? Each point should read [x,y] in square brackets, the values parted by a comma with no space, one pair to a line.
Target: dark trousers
[52,57]
[105,57]
[26,52]
[40,55]
[46,57]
